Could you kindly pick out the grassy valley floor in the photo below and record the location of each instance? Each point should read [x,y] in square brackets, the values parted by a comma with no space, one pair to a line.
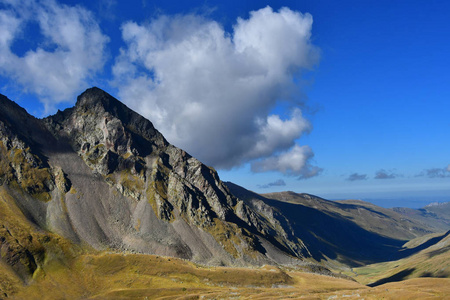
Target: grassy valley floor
[132,276]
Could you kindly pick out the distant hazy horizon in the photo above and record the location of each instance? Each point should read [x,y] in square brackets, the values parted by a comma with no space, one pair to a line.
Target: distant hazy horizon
[410,202]
[399,199]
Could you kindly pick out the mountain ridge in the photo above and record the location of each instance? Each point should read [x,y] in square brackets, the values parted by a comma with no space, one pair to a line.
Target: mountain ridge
[351,233]
[101,174]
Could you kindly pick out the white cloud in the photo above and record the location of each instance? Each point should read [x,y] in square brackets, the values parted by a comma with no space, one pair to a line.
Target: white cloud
[211,92]
[293,162]
[276,134]
[72,50]
[448,168]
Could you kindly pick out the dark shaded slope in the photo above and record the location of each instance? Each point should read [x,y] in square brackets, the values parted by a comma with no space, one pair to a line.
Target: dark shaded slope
[372,218]
[351,233]
[335,237]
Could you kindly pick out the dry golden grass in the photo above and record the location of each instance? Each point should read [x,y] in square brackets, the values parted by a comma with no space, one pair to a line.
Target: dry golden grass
[120,276]
[117,276]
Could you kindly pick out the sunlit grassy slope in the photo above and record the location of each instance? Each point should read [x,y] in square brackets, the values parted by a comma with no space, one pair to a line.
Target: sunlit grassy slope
[432,261]
[119,276]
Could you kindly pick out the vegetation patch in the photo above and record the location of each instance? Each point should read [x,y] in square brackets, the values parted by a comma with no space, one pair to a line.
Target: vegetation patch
[95,154]
[25,250]
[131,182]
[157,191]
[224,233]
[26,169]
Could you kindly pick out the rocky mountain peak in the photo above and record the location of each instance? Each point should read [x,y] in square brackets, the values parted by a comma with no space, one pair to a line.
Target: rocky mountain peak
[113,181]
[95,96]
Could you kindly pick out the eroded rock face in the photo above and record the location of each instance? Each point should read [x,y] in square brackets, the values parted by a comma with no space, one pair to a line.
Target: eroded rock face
[135,158]
[22,166]
[111,180]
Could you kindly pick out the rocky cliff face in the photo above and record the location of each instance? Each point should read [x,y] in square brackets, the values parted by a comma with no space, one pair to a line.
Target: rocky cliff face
[100,174]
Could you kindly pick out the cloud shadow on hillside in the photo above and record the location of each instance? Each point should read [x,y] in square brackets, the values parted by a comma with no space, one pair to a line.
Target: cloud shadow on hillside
[394,278]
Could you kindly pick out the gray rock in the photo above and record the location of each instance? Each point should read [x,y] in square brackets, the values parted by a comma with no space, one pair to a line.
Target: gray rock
[114,182]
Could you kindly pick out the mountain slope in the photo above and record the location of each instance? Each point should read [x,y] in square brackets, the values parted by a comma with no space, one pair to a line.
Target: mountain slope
[99,174]
[434,215]
[354,233]
[432,261]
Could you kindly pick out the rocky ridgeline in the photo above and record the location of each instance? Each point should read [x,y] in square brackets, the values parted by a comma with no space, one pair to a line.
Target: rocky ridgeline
[101,174]
[135,158]
[19,164]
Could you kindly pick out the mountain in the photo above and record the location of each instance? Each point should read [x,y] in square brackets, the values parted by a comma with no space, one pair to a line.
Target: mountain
[100,175]
[89,194]
[351,232]
[437,215]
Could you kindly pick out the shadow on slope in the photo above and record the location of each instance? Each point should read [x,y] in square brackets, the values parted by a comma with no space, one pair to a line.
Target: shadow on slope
[438,251]
[427,244]
[335,237]
[330,235]
[394,278]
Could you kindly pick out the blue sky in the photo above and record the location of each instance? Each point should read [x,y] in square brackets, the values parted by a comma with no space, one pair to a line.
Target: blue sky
[342,99]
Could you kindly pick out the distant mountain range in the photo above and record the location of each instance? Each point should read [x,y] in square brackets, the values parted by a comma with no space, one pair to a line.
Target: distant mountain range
[99,177]
[352,232]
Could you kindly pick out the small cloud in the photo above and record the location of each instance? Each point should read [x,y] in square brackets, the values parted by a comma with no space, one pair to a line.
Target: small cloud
[295,162]
[383,174]
[279,182]
[436,172]
[356,176]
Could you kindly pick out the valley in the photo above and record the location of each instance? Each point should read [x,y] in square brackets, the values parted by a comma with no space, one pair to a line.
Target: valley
[96,204]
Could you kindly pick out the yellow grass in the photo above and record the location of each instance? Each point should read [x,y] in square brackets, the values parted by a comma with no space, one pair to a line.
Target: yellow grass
[120,276]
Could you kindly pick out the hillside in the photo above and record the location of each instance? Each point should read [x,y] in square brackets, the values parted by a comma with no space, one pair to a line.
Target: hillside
[353,233]
[432,261]
[434,215]
[440,209]
[366,215]
[116,276]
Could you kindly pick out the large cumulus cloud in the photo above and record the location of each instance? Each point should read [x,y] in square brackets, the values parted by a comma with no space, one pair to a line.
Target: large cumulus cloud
[212,92]
[72,48]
